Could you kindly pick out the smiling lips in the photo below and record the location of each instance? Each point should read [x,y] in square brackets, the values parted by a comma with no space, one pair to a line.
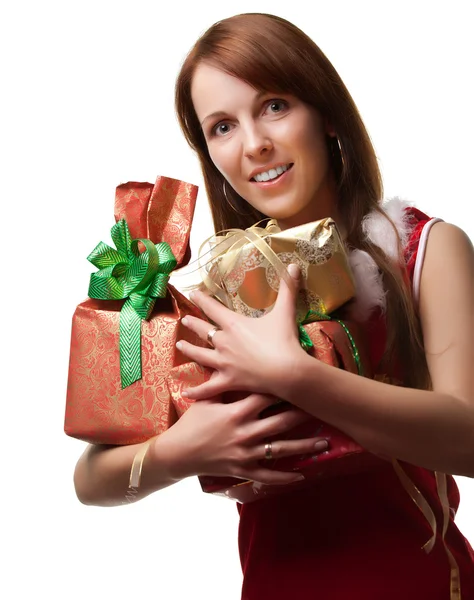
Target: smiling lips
[266,178]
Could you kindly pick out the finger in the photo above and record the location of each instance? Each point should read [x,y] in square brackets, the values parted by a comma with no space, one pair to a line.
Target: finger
[278,424]
[252,405]
[289,286]
[285,448]
[200,327]
[214,309]
[217,399]
[209,400]
[206,357]
[268,477]
[214,387]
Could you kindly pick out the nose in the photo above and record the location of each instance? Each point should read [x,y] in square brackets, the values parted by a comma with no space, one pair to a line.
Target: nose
[256,141]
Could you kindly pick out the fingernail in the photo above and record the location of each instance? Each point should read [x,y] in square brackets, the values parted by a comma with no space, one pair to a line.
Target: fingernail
[184,394]
[184,321]
[294,271]
[179,345]
[299,478]
[321,445]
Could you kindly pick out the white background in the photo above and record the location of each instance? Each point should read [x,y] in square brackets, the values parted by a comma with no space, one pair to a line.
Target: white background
[87,103]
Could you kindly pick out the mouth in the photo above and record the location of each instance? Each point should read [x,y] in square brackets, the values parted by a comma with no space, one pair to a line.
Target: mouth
[273,176]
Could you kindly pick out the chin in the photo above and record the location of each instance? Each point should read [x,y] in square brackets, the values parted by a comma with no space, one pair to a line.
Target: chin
[288,213]
[279,209]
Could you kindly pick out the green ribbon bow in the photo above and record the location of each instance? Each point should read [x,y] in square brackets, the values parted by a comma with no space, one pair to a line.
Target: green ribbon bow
[141,278]
[307,344]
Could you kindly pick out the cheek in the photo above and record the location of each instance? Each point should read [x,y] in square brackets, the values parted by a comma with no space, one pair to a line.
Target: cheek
[225,157]
[312,143]
[307,137]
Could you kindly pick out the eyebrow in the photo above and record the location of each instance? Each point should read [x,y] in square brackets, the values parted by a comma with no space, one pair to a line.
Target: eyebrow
[221,113]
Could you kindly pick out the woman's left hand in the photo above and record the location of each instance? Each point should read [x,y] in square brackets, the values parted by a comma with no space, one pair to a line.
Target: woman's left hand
[255,355]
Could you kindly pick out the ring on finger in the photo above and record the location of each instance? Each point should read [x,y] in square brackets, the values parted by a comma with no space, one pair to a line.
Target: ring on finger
[268,451]
[210,336]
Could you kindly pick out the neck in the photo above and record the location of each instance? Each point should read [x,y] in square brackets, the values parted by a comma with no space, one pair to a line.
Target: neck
[324,204]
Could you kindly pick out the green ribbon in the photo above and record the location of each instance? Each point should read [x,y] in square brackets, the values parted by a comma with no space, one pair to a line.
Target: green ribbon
[307,344]
[138,277]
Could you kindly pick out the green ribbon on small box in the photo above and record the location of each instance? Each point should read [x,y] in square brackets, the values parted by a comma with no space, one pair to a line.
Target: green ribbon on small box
[138,277]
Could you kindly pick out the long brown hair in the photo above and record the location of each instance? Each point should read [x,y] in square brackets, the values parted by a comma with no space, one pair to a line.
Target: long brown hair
[271,54]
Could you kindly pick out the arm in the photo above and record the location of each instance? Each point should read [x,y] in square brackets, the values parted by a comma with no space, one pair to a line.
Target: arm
[102,473]
[211,438]
[434,429]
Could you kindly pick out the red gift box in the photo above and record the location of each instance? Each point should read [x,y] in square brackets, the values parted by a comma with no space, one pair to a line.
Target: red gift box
[98,410]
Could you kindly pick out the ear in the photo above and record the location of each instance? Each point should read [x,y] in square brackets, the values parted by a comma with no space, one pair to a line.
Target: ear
[329,128]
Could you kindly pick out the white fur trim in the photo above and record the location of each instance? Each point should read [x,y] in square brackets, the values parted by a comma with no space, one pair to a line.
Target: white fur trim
[369,287]
[380,231]
[370,293]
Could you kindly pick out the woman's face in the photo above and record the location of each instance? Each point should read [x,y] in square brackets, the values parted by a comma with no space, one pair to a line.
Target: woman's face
[271,148]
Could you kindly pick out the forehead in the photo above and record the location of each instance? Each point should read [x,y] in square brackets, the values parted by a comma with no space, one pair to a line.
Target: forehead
[214,90]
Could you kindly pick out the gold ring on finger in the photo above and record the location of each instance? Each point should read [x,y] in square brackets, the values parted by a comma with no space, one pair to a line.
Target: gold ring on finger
[210,335]
[268,451]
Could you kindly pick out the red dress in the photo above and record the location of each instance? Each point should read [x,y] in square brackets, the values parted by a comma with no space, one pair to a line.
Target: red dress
[357,537]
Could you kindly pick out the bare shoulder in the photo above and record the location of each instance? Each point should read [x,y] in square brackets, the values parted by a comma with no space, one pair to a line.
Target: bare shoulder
[446,237]
[447,277]
[446,308]
[448,268]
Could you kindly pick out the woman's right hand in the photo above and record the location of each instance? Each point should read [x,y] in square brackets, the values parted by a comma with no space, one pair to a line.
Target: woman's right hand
[214,438]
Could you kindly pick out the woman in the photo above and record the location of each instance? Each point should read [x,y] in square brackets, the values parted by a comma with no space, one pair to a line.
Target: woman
[278,135]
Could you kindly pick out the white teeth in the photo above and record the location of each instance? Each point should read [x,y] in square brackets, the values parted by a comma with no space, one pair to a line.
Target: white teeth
[271,174]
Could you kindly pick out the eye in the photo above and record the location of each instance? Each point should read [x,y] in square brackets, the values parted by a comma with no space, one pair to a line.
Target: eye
[221,129]
[276,106]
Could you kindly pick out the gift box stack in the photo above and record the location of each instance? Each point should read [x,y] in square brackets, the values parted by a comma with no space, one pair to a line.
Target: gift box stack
[126,377]
[245,274]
